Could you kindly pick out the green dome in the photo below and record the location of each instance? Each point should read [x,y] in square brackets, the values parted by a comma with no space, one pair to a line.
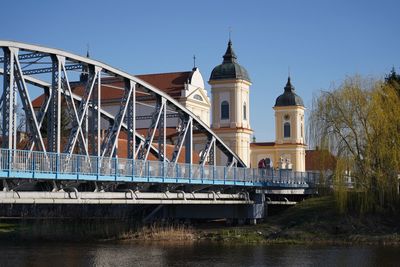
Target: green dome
[230,68]
[289,97]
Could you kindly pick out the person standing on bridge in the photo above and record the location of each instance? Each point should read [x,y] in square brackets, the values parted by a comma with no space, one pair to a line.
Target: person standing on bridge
[262,167]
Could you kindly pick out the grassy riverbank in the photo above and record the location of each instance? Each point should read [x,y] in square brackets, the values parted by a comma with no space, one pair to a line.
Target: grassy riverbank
[314,220]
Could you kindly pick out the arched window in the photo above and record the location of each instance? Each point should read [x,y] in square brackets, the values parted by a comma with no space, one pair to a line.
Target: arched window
[302,130]
[244,111]
[224,110]
[286,130]
[198,97]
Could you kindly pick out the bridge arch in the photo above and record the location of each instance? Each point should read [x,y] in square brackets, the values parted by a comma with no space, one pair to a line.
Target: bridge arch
[53,71]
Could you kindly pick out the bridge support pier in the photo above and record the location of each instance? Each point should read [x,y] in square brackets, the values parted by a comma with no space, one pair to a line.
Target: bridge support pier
[258,209]
[239,213]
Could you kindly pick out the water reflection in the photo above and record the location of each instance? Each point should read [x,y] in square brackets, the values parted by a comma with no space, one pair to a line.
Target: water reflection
[145,254]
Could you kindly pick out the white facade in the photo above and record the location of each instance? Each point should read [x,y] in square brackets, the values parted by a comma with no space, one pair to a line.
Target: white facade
[234,129]
[194,97]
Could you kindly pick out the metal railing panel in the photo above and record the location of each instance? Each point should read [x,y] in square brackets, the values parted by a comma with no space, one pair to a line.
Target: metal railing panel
[36,161]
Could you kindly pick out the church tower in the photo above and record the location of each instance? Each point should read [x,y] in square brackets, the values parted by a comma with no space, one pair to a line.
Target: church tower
[230,85]
[289,129]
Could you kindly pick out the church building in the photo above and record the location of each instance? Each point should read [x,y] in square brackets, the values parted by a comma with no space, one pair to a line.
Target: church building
[230,108]
[230,89]
[288,150]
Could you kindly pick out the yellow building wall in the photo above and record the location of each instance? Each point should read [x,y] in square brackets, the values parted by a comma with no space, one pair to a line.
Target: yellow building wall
[238,140]
[235,131]
[295,153]
[296,120]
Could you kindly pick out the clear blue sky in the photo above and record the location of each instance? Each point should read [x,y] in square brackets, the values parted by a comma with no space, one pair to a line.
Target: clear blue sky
[322,41]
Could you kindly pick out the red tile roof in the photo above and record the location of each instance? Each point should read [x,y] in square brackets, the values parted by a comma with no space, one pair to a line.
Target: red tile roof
[37,102]
[171,83]
[320,160]
[109,92]
[122,150]
[170,132]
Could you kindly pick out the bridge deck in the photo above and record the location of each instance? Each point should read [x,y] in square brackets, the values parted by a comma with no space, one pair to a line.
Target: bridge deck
[20,164]
[128,197]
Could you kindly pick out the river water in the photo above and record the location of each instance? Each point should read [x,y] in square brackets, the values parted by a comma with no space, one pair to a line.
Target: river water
[203,254]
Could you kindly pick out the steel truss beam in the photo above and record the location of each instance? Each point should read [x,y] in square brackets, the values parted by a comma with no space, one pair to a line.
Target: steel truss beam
[81,114]
[139,148]
[131,123]
[111,139]
[50,70]
[27,56]
[232,163]
[208,152]
[80,130]
[148,117]
[139,140]
[54,115]
[189,144]
[184,128]
[162,133]
[158,115]
[26,101]
[8,100]
[107,116]
[71,107]
[95,121]
[40,117]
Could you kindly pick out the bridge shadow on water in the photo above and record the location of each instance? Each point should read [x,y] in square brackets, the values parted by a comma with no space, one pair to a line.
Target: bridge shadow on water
[192,254]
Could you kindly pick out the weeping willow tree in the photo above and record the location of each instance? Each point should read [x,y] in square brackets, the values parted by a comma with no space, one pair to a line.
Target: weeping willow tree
[359,122]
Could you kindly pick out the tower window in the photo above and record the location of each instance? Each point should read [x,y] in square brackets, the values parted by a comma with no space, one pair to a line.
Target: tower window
[244,111]
[224,110]
[286,130]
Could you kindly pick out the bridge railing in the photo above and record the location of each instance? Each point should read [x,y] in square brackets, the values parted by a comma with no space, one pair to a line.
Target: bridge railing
[23,161]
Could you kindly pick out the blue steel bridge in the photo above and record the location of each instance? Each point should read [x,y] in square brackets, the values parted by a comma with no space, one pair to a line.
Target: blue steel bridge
[81,165]
[36,165]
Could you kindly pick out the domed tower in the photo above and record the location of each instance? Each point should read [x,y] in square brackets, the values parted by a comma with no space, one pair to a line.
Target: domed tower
[230,85]
[289,128]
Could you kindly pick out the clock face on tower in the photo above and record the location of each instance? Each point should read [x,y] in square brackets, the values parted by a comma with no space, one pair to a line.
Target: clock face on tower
[286,117]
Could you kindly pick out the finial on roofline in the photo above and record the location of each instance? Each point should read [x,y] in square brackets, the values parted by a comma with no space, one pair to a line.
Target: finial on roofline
[87,50]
